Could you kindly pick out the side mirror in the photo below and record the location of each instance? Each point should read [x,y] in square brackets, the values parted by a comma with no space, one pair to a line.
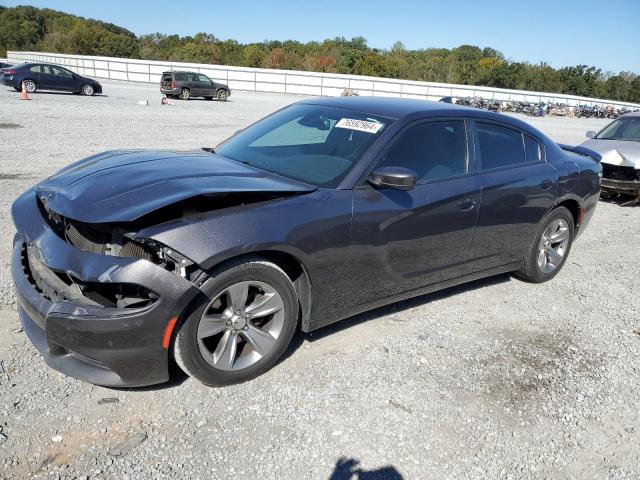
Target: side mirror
[393,177]
[591,134]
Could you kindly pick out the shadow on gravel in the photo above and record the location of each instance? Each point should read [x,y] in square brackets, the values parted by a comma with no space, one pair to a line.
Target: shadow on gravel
[176,377]
[347,469]
[300,337]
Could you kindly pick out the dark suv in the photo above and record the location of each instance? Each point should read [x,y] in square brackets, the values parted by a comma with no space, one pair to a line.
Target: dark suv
[185,85]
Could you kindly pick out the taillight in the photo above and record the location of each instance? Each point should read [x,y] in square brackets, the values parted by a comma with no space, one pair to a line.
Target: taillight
[173,85]
[9,72]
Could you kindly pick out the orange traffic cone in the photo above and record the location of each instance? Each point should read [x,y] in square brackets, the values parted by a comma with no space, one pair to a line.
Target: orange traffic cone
[24,95]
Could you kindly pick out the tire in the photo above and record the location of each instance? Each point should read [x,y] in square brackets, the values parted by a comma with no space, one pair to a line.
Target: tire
[185,94]
[29,85]
[217,344]
[555,234]
[222,95]
[87,90]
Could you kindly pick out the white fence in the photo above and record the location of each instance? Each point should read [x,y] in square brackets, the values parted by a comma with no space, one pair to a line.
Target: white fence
[289,81]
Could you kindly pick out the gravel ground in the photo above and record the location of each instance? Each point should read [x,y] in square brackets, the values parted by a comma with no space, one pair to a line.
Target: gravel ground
[494,379]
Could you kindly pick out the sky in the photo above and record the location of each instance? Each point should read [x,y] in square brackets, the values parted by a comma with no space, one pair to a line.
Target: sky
[602,33]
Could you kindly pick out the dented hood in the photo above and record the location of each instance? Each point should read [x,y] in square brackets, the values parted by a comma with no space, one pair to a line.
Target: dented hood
[120,186]
[616,152]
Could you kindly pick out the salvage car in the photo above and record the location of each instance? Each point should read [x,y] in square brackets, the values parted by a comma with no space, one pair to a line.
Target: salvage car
[185,85]
[43,76]
[619,145]
[327,208]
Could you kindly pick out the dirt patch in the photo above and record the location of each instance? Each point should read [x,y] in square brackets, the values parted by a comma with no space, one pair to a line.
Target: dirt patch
[532,367]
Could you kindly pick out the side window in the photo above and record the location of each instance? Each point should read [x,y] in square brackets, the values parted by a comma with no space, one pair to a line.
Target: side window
[192,77]
[61,72]
[204,79]
[499,146]
[432,150]
[533,152]
[36,69]
[180,77]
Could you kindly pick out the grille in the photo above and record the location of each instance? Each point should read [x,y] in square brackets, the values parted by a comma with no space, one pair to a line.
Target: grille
[617,172]
[86,238]
[90,239]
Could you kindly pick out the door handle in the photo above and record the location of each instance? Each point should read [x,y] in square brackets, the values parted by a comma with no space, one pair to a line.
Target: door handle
[546,184]
[467,204]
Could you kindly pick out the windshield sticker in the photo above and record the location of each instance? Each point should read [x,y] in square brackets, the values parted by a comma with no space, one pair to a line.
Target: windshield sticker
[360,125]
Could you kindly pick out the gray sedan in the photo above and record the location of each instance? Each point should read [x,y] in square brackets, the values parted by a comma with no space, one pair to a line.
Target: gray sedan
[619,145]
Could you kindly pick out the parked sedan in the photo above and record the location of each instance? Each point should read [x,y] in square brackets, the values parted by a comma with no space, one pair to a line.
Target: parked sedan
[324,209]
[42,76]
[619,145]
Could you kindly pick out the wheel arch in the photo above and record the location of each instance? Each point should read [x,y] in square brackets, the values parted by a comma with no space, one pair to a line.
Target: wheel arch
[574,206]
[292,266]
[25,79]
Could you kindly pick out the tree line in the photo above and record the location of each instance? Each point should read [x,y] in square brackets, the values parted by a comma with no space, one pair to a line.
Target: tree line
[29,28]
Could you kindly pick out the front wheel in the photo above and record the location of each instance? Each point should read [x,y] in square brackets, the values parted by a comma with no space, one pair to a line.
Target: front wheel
[185,94]
[242,327]
[87,90]
[222,95]
[550,247]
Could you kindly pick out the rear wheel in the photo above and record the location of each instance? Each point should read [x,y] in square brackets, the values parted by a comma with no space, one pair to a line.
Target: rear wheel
[185,94]
[222,95]
[29,86]
[549,248]
[242,327]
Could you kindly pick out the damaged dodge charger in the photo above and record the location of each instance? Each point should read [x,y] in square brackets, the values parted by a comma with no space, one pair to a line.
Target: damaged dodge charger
[128,260]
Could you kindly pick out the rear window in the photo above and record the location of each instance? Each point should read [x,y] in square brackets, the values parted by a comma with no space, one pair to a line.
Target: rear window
[533,152]
[499,146]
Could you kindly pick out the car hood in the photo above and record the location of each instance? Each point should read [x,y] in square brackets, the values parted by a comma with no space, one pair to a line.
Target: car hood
[121,186]
[616,152]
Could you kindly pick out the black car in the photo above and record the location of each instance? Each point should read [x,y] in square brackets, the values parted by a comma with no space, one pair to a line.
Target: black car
[4,65]
[43,76]
[324,209]
[185,85]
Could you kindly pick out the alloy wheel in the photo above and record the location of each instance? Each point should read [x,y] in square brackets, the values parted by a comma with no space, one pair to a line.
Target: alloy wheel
[29,86]
[87,90]
[240,325]
[553,245]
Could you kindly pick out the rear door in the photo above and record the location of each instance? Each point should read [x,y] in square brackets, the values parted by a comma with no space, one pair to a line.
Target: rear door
[37,73]
[518,188]
[192,83]
[422,236]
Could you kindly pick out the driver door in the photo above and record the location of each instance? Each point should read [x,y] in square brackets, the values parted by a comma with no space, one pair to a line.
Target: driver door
[419,237]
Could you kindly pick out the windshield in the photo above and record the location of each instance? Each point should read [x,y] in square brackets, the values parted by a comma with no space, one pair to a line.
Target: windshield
[311,143]
[624,128]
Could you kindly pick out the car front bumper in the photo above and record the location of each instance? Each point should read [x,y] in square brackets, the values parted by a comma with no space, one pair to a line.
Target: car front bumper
[107,346]
[629,187]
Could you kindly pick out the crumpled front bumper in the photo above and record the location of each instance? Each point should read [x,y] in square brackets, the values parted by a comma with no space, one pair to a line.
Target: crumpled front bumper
[629,187]
[102,345]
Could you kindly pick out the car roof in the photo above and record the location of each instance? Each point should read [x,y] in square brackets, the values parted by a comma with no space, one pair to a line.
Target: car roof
[181,71]
[397,108]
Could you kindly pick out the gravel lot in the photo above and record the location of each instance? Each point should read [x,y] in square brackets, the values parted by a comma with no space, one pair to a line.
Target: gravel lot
[495,379]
